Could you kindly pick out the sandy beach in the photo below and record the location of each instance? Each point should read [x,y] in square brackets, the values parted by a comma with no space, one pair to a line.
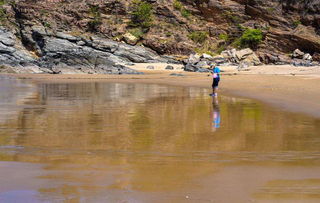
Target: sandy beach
[290,88]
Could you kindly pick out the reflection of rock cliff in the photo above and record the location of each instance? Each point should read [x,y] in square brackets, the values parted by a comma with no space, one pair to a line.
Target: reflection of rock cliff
[116,117]
[13,94]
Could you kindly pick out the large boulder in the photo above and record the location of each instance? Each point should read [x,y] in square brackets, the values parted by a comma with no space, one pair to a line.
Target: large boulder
[193,59]
[243,53]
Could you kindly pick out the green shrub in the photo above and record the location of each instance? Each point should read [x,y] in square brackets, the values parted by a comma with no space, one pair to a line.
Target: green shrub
[94,23]
[177,5]
[3,15]
[142,14]
[198,36]
[224,37]
[94,12]
[185,13]
[46,24]
[250,38]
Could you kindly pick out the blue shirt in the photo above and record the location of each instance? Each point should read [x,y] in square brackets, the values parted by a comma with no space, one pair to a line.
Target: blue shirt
[216,71]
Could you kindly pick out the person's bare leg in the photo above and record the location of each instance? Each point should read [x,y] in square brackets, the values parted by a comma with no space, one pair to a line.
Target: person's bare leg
[215,90]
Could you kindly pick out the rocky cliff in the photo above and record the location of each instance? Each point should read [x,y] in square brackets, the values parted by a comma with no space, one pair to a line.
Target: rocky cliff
[51,34]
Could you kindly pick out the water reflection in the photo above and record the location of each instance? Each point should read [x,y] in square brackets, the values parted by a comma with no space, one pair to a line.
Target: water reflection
[216,114]
[112,142]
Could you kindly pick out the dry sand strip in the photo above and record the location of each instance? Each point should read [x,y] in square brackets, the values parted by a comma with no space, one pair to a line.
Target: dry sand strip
[297,92]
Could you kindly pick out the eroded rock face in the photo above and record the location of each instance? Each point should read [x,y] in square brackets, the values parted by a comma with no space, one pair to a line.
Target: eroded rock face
[64,53]
[286,24]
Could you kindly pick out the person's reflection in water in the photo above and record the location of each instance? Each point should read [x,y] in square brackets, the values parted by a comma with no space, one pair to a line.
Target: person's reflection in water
[215,114]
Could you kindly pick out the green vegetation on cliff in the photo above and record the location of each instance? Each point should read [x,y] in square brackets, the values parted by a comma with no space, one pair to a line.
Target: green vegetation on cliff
[142,14]
[179,6]
[251,38]
[95,22]
[198,36]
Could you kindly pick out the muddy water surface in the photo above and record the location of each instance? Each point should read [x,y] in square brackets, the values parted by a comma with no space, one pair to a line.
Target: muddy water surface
[113,142]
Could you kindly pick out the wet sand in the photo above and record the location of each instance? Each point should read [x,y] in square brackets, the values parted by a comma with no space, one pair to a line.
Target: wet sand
[291,88]
[117,142]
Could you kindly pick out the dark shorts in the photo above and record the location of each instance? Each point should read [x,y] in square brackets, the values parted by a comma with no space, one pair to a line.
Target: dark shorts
[215,82]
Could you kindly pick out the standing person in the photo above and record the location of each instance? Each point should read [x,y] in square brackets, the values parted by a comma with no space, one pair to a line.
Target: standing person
[216,80]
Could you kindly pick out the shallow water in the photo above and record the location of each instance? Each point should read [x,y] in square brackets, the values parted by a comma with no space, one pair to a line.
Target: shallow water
[113,142]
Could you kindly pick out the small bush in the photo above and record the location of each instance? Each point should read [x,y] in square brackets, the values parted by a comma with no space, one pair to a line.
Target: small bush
[94,12]
[224,37]
[185,13]
[3,15]
[177,5]
[251,38]
[46,24]
[96,21]
[198,36]
[2,2]
[142,14]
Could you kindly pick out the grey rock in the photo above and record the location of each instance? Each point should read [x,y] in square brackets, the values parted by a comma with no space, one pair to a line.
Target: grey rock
[176,74]
[190,68]
[40,30]
[81,43]
[169,67]
[6,37]
[62,53]
[219,60]
[203,70]
[66,36]
[150,67]
[193,59]
[201,64]
[300,62]
[6,49]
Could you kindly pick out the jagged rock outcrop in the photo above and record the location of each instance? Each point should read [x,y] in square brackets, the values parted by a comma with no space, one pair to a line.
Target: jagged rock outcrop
[59,52]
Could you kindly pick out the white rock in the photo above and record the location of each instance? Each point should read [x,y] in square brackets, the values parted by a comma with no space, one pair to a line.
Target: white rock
[307,57]
[206,56]
[243,53]
[297,53]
